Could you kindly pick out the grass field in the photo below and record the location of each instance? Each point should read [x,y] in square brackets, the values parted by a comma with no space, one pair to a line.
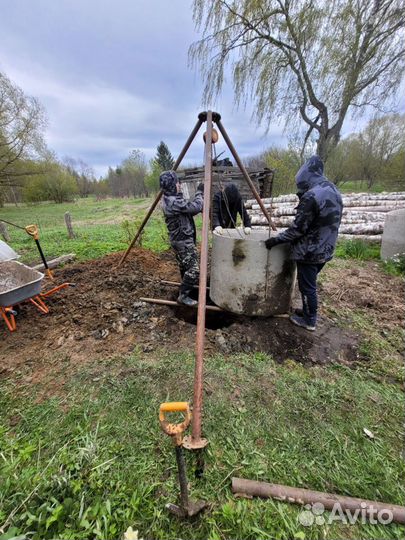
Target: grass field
[107,226]
[101,227]
[91,461]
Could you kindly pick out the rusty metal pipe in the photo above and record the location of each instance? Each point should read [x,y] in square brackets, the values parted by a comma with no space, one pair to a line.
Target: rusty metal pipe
[244,172]
[181,470]
[177,284]
[202,289]
[163,302]
[159,195]
[308,496]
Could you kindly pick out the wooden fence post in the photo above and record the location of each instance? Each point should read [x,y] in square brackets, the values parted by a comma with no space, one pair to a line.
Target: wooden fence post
[4,232]
[69,226]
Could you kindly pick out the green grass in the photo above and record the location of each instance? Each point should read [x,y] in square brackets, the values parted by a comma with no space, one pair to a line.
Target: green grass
[94,463]
[357,249]
[101,227]
[395,266]
[366,251]
[380,352]
[104,227]
[360,187]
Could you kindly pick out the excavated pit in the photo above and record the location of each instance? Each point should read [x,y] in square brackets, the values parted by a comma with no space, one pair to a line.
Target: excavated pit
[103,317]
[214,320]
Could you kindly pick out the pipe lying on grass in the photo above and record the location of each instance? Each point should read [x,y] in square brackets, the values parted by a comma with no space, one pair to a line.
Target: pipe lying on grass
[370,509]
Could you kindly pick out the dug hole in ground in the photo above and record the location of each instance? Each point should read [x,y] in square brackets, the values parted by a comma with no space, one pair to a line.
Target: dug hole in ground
[103,317]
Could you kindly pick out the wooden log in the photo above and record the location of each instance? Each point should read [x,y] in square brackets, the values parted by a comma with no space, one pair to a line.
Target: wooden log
[366,217]
[56,262]
[377,212]
[4,232]
[364,204]
[364,237]
[373,202]
[276,211]
[302,496]
[394,197]
[384,209]
[164,302]
[286,221]
[345,228]
[362,228]
[69,226]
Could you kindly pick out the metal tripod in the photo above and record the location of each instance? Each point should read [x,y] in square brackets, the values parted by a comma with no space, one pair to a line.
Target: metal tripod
[196,442]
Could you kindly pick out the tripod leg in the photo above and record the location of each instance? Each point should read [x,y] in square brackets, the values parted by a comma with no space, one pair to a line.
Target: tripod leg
[159,195]
[202,291]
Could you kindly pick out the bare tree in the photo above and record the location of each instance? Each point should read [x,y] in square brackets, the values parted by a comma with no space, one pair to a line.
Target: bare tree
[83,174]
[374,156]
[305,60]
[22,121]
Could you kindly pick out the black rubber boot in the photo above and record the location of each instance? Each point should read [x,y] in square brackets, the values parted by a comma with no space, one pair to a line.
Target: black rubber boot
[186,300]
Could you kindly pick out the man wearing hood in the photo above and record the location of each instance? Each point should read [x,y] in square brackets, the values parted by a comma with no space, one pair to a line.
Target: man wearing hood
[226,205]
[178,213]
[312,235]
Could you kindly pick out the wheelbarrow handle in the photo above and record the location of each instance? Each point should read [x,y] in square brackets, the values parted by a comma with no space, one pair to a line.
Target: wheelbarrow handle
[174,430]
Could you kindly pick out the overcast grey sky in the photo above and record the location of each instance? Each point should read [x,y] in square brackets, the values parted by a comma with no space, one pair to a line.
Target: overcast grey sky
[113,76]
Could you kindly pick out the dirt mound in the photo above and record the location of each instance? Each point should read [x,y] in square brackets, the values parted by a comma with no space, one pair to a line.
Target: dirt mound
[102,317]
[363,286]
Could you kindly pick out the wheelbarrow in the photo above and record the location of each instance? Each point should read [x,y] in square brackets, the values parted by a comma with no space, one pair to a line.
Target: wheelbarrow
[19,283]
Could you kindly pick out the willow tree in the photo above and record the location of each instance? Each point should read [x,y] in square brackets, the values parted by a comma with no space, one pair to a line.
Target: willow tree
[311,61]
[22,122]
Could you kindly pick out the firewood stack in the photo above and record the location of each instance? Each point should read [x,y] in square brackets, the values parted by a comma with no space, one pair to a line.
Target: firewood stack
[363,213]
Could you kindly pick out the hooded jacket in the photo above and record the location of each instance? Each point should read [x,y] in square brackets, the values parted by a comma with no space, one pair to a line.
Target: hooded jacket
[225,207]
[314,232]
[179,212]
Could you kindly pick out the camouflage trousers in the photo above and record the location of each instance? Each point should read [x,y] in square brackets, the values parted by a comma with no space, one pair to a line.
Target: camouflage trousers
[187,257]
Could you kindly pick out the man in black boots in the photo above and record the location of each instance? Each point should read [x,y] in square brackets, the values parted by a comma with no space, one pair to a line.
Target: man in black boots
[312,235]
[179,219]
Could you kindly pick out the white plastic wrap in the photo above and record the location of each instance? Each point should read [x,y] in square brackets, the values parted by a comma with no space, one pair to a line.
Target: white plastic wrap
[7,253]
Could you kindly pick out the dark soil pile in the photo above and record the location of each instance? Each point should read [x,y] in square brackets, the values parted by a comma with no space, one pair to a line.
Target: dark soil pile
[363,286]
[102,317]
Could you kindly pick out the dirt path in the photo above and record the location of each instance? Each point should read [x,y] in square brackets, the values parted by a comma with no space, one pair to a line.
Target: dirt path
[101,317]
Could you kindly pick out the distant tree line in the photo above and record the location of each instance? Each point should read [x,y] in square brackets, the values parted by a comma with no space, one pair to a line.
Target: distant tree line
[373,159]
[30,172]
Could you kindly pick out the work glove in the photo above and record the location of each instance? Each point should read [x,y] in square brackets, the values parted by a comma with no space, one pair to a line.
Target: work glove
[200,187]
[271,242]
[219,229]
[247,230]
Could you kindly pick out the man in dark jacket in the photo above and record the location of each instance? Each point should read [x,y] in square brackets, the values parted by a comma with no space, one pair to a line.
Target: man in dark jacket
[179,214]
[226,205]
[312,235]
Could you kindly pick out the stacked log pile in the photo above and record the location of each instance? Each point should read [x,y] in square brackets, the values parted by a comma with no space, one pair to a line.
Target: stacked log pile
[363,213]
